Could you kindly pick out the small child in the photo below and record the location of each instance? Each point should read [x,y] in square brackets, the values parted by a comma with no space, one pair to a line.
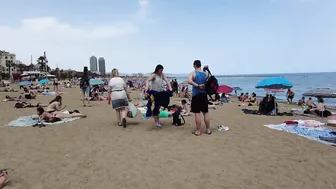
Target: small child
[185,111]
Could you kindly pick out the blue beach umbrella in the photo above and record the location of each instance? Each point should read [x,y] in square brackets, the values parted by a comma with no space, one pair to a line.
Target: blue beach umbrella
[237,89]
[24,83]
[43,81]
[96,82]
[274,83]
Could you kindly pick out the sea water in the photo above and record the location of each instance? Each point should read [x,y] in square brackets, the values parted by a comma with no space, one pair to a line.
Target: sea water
[302,82]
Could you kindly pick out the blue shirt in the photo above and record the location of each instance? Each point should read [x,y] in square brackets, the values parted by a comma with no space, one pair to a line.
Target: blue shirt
[200,78]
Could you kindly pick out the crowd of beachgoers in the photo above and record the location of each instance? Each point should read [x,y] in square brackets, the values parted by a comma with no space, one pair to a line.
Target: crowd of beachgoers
[153,101]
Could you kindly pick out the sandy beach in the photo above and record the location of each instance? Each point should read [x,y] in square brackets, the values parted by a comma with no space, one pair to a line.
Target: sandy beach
[95,153]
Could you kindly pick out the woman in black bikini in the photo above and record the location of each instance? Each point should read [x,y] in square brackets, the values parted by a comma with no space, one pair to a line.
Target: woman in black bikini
[55,116]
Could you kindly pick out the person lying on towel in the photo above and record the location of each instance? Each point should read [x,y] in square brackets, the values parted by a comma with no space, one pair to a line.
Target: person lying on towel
[56,116]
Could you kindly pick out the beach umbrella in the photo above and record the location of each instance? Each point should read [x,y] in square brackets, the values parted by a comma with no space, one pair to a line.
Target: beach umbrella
[275,90]
[237,89]
[43,81]
[224,89]
[24,83]
[321,92]
[274,83]
[96,82]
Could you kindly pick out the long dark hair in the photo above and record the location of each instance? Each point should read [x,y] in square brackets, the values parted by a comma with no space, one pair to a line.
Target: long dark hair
[40,110]
[56,99]
[157,68]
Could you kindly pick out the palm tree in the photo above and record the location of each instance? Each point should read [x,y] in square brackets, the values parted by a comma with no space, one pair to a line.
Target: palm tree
[21,68]
[42,63]
[31,67]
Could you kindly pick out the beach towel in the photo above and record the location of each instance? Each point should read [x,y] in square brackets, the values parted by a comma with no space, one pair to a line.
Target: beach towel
[163,99]
[312,132]
[28,121]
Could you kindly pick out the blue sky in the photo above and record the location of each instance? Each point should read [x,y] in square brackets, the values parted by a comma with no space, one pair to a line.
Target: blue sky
[231,36]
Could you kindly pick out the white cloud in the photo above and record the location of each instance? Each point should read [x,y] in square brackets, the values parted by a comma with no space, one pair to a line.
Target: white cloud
[67,42]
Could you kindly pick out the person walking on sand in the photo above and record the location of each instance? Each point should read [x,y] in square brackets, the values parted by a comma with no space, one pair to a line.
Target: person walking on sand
[55,83]
[85,87]
[157,78]
[199,101]
[117,92]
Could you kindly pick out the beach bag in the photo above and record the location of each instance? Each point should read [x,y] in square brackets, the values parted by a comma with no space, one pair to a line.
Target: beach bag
[178,119]
[132,111]
[211,85]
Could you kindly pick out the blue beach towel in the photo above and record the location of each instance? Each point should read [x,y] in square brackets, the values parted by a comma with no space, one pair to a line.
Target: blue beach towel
[28,121]
[313,133]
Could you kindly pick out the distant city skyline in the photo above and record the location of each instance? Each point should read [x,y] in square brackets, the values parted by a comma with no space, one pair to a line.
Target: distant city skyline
[231,36]
[93,63]
[101,63]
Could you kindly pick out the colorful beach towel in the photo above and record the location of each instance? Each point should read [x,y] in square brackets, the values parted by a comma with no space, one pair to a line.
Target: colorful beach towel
[311,132]
[28,121]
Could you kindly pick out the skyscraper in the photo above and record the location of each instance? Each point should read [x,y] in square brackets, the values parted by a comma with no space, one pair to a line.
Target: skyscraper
[101,63]
[93,64]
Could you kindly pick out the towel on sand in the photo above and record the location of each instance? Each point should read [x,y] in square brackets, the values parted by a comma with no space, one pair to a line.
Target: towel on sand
[313,133]
[27,121]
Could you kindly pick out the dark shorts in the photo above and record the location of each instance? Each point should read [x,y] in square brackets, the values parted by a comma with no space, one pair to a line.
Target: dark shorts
[291,97]
[199,103]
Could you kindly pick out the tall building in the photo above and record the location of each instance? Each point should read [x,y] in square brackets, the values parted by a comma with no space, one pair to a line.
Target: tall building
[7,60]
[93,64]
[101,63]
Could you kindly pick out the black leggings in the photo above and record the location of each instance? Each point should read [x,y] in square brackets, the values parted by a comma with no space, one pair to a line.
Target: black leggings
[156,110]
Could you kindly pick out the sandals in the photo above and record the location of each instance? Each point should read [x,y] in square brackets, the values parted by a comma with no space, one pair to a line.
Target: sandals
[194,133]
[208,133]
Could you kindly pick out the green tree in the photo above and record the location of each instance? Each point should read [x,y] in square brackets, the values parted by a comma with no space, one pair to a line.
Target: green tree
[42,64]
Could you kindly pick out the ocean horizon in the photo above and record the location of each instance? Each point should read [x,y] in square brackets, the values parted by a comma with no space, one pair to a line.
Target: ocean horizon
[302,82]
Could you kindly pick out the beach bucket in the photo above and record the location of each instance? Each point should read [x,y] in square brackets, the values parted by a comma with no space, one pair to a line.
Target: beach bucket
[132,111]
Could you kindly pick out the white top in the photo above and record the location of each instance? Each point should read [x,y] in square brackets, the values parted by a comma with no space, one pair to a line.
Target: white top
[117,85]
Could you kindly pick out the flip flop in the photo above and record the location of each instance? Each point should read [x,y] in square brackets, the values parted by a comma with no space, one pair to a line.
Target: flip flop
[119,124]
[208,133]
[194,133]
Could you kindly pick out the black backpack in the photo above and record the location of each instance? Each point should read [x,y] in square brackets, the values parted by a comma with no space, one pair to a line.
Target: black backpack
[84,83]
[211,85]
[178,119]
